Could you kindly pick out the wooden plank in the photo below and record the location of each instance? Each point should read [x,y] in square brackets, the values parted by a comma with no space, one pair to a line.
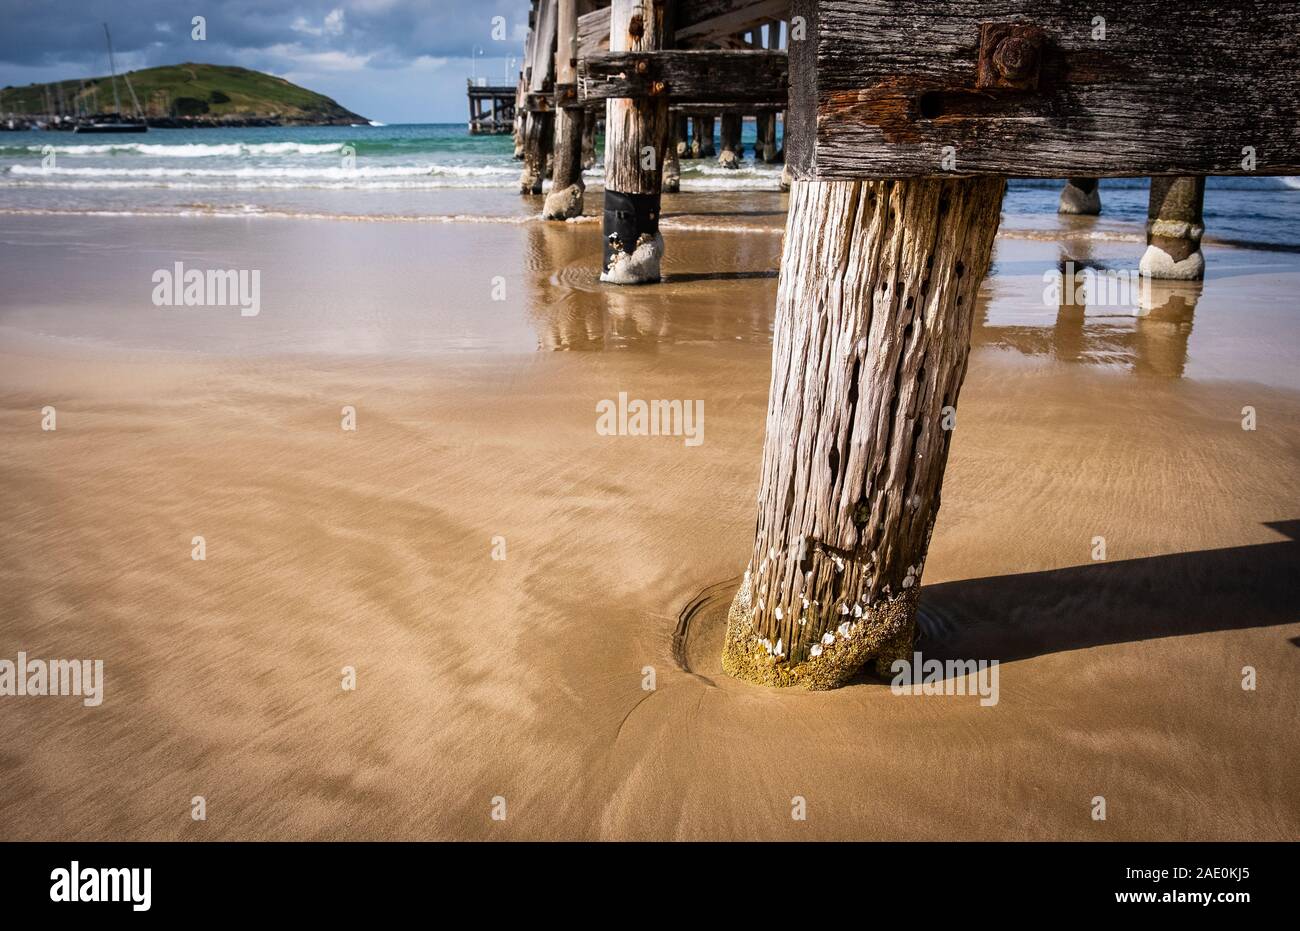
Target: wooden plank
[704,76]
[880,87]
[593,33]
[566,44]
[707,21]
[543,76]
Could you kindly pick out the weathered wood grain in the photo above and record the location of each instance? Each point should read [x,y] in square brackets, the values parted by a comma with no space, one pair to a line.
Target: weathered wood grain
[874,312]
[880,87]
[542,78]
[712,76]
[632,126]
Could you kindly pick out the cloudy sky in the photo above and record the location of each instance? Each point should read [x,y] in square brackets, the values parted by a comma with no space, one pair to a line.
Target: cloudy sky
[399,61]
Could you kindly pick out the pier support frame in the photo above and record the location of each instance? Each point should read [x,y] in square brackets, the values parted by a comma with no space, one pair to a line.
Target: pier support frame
[1174,228]
[874,312]
[1081,196]
[636,142]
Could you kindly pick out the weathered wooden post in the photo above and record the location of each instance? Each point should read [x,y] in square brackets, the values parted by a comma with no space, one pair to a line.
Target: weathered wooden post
[766,143]
[538,135]
[672,164]
[565,199]
[1174,229]
[704,131]
[588,138]
[539,123]
[636,137]
[731,151]
[683,144]
[1080,196]
[886,243]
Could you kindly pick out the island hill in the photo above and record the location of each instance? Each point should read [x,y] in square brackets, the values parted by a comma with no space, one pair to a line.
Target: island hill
[188,95]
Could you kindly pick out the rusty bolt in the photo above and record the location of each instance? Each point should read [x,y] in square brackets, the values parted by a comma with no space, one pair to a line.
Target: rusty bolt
[658,87]
[642,66]
[1016,57]
[1010,56]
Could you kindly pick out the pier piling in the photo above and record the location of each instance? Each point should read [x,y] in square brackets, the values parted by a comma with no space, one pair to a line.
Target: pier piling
[1174,228]
[731,154]
[1080,196]
[565,199]
[636,140]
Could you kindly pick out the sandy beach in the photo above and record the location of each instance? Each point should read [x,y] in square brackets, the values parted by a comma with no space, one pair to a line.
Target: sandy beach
[523,677]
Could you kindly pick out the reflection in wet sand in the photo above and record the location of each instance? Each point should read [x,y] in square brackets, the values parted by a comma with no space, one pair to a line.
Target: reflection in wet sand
[704,297]
[1100,320]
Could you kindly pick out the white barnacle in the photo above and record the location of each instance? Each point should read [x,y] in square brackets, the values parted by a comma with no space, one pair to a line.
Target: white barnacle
[857,610]
[844,630]
[816,650]
[844,609]
[828,638]
[778,614]
[779,651]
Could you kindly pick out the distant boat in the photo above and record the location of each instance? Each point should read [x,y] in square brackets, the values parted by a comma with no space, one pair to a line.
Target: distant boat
[111,126]
[117,124]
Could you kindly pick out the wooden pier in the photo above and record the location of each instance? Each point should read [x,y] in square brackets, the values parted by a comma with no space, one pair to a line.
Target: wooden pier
[491,109]
[905,120]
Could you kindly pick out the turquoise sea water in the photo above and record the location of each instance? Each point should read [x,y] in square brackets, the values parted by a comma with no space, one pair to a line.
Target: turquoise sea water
[439,170]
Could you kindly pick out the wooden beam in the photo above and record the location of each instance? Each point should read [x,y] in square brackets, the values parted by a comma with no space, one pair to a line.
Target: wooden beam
[706,76]
[880,87]
[593,33]
[691,108]
[699,24]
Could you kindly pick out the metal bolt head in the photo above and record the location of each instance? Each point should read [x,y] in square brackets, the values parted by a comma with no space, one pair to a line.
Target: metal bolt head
[1016,57]
[1010,56]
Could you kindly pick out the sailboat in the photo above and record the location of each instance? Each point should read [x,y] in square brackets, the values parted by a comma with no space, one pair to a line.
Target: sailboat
[116,125]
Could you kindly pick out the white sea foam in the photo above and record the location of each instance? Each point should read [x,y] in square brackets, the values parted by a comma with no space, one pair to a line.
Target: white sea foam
[195,149]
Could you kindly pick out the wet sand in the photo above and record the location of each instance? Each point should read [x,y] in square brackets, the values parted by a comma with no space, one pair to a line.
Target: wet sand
[522,678]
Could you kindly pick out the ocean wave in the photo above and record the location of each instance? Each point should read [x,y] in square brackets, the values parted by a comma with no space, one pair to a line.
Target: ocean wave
[731,183]
[184,150]
[267,172]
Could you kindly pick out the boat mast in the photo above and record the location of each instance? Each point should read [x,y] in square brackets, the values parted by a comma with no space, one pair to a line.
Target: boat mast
[117,106]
